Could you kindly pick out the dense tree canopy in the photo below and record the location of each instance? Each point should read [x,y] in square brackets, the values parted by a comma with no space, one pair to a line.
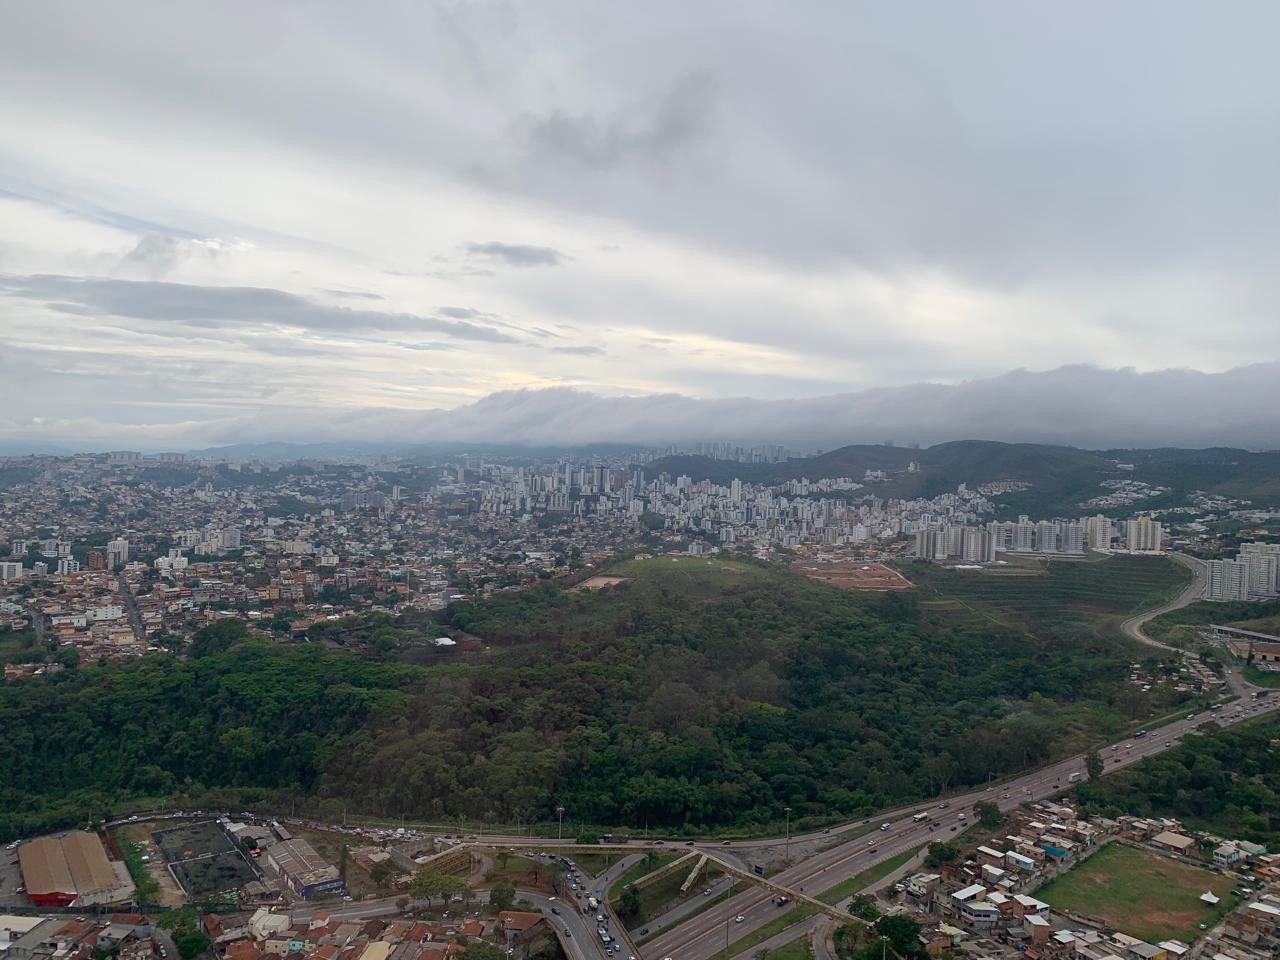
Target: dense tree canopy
[694,695]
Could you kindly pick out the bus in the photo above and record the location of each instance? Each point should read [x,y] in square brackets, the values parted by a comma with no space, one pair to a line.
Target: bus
[920,816]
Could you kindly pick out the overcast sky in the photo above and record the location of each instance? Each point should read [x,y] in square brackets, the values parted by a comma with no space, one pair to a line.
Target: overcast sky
[245,220]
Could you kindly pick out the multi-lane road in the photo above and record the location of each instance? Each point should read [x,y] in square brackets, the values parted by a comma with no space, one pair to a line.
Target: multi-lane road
[705,934]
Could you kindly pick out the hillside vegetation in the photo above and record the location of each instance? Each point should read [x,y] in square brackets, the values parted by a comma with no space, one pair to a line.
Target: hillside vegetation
[696,694]
[1227,783]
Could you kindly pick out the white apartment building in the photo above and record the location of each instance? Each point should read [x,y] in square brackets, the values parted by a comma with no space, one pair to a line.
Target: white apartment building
[1143,535]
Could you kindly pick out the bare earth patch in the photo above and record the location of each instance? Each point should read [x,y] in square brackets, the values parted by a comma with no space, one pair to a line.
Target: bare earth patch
[852,575]
[597,583]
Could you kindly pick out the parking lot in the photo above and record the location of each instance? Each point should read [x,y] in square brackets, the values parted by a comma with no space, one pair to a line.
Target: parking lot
[10,878]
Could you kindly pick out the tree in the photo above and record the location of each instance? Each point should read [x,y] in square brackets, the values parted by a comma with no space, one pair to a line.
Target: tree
[940,853]
[629,902]
[864,908]
[587,836]
[903,935]
[427,884]
[184,926]
[479,950]
[988,814]
[381,872]
[503,895]
[1093,763]
[217,637]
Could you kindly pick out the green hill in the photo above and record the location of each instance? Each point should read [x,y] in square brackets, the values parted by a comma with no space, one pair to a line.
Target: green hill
[697,694]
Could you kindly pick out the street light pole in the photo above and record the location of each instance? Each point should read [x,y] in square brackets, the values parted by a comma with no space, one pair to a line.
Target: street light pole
[560,830]
[788,854]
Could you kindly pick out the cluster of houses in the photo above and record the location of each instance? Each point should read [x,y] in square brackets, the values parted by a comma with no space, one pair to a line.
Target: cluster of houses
[989,895]
[62,938]
[267,934]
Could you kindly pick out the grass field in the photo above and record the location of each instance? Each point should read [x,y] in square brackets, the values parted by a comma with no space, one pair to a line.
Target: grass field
[800,948]
[1141,893]
[711,570]
[1082,595]
[1179,627]
[645,867]
[788,919]
[847,888]
[657,898]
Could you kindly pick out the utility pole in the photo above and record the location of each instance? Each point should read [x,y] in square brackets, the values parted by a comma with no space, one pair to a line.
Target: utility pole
[788,854]
[560,829]
[884,945]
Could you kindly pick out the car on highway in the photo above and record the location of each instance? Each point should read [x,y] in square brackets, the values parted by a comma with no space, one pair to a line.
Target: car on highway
[872,850]
[739,919]
[885,826]
[568,932]
[871,843]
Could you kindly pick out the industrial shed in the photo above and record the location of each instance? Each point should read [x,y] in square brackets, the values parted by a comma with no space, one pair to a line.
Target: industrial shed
[71,869]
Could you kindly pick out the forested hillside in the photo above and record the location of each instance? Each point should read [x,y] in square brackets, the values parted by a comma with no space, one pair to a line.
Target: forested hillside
[711,693]
[1228,783]
[78,743]
[696,694]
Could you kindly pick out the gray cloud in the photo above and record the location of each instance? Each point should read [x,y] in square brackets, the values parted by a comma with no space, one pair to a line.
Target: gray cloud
[682,115]
[517,254]
[156,255]
[219,306]
[1076,405]
[582,351]
[354,294]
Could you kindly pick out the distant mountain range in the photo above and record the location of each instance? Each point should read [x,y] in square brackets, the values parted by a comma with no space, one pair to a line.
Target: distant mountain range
[1074,406]
[1077,406]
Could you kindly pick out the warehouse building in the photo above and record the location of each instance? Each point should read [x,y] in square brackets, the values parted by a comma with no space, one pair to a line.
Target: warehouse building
[71,870]
[304,869]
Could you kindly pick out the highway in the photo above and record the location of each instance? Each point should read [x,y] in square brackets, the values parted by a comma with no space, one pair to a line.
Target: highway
[704,935]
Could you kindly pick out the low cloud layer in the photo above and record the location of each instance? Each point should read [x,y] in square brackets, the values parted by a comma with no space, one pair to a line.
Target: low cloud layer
[1077,406]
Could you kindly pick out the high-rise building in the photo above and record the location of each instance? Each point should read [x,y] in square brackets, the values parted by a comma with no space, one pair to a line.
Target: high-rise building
[1264,567]
[1228,580]
[1100,532]
[97,560]
[1072,538]
[68,565]
[117,552]
[1143,535]
[978,546]
[1046,537]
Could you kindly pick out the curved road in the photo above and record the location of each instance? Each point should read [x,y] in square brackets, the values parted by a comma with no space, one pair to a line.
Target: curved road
[1194,591]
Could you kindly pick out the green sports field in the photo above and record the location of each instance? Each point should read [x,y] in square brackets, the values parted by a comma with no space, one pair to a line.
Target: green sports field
[1141,893]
